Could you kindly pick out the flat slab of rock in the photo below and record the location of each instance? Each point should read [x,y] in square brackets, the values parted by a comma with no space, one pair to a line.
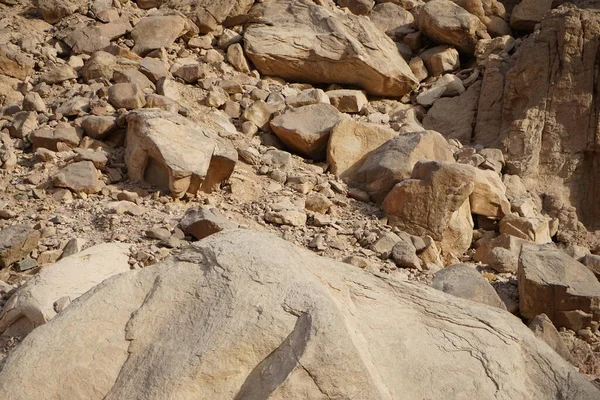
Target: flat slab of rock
[32,304]
[465,281]
[14,63]
[154,32]
[552,283]
[176,154]
[304,41]
[250,304]
[16,242]
[306,129]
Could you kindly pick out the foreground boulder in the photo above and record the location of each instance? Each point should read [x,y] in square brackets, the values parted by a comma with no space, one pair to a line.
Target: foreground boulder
[303,41]
[265,319]
[34,303]
[552,283]
[176,154]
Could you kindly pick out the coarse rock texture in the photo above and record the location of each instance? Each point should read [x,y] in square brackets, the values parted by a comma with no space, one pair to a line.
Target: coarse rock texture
[208,14]
[272,320]
[16,242]
[314,43]
[34,303]
[552,283]
[540,109]
[176,154]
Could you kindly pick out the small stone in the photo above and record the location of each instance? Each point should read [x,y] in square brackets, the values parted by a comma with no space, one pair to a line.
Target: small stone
[204,221]
[73,246]
[318,203]
[26,264]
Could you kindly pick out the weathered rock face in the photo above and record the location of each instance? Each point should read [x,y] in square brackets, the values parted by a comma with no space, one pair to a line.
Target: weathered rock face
[393,162]
[173,153]
[14,63]
[446,23]
[542,110]
[435,202]
[304,41]
[33,304]
[16,242]
[552,283]
[144,33]
[264,318]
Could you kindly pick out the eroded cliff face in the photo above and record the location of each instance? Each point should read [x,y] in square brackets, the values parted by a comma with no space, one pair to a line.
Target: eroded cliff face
[541,108]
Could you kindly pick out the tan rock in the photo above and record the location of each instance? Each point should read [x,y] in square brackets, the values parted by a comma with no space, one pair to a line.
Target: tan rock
[50,139]
[260,113]
[189,158]
[126,95]
[209,14]
[14,63]
[16,242]
[98,127]
[358,7]
[280,309]
[543,329]
[236,57]
[312,46]
[347,101]
[528,13]
[145,36]
[552,283]
[32,304]
[59,74]
[446,23]
[392,19]
[80,177]
[441,59]
[534,229]
[351,141]
[306,129]
[394,160]
[55,10]
[418,68]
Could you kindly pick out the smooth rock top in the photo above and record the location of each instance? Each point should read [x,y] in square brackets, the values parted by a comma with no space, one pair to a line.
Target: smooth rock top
[265,319]
[305,41]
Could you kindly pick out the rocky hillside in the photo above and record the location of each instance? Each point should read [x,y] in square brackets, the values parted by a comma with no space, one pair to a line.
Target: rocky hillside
[171,172]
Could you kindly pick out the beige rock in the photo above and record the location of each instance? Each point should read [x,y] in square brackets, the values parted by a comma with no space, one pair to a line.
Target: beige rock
[209,14]
[418,68]
[23,123]
[488,197]
[153,68]
[134,77]
[55,10]
[16,242]
[98,127]
[358,7]
[80,177]
[392,19]
[441,59]
[260,113]
[501,253]
[32,304]
[191,72]
[34,102]
[126,95]
[435,202]
[528,13]
[87,40]
[542,327]
[50,139]
[201,222]
[100,65]
[454,117]
[318,202]
[446,23]
[307,97]
[552,283]
[304,41]
[173,153]
[534,229]
[491,12]
[351,141]
[145,36]
[306,129]
[347,101]
[162,102]
[394,160]
[59,74]
[284,324]
[14,63]
[236,57]
[463,280]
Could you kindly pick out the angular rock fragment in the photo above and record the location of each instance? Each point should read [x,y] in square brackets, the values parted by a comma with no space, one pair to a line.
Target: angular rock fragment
[16,242]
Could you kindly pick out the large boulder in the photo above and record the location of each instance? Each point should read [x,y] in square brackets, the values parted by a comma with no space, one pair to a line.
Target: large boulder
[447,23]
[463,280]
[553,283]
[306,129]
[528,13]
[491,12]
[393,161]
[145,35]
[248,315]
[176,154]
[33,304]
[302,41]
[435,202]
[539,107]
[14,63]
